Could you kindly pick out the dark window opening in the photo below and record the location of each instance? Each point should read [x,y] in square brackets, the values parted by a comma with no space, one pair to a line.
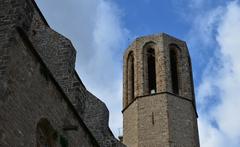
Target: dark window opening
[151,71]
[63,141]
[46,135]
[132,75]
[174,71]
[130,82]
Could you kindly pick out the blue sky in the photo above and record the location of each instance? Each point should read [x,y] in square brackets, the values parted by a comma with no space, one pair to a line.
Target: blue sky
[102,29]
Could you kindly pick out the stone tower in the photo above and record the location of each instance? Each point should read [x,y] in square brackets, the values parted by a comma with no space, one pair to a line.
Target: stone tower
[158,94]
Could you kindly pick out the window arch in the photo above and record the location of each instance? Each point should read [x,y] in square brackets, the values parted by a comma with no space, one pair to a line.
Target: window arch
[130,78]
[174,68]
[46,135]
[151,68]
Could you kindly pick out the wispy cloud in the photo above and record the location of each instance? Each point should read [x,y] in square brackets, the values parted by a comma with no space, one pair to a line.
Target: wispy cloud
[95,27]
[219,124]
[103,75]
[205,25]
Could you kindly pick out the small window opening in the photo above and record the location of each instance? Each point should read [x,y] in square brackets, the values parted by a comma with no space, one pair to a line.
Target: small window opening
[46,135]
[151,71]
[153,120]
[174,70]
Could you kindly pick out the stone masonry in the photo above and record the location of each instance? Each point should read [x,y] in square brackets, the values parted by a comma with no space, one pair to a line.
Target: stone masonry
[158,94]
[40,89]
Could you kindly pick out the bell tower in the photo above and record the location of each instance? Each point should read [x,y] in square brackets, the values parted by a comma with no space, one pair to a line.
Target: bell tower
[158,94]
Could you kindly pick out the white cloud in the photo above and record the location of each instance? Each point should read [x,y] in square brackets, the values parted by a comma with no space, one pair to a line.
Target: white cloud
[103,73]
[205,25]
[223,82]
[229,41]
[96,30]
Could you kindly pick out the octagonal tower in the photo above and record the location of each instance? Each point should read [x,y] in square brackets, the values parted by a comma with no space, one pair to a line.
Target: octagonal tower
[158,94]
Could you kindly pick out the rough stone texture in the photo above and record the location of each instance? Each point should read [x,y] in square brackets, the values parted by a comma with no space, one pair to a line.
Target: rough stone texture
[182,124]
[28,101]
[163,79]
[163,118]
[58,55]
[130,124]
[153,121]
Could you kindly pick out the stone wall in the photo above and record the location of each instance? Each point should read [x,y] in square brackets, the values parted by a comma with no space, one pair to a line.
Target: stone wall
[58,54]
[32,95]
[130,124]
[182,122]
[153,121]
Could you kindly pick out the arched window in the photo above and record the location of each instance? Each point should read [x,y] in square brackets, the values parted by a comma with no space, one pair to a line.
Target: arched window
[46,135]
[174,68]
[149,68]
[151,71]
[130,78]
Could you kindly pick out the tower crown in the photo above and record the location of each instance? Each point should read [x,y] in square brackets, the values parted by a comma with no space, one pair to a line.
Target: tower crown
[157,64]
[158,99]
[158,94]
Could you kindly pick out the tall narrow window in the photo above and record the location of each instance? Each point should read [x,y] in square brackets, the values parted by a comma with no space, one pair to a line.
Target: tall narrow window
[130,80]
[174,69]
[151,71]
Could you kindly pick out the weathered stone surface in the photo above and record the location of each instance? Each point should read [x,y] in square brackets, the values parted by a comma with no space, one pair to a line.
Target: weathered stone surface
[166,117]
[43,84]
[33,94]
